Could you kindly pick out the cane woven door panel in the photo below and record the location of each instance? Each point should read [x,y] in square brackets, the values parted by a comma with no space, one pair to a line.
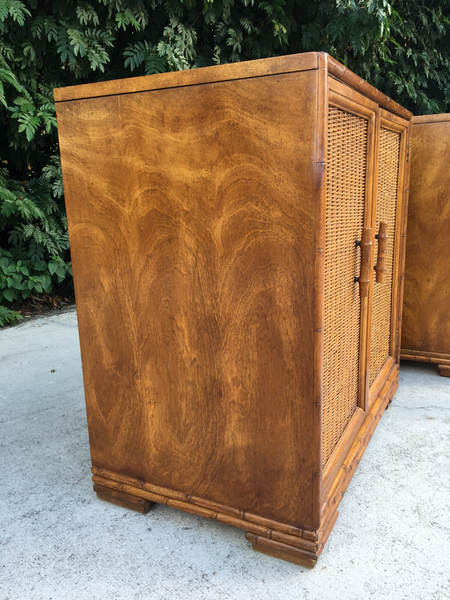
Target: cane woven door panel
[388,172]
[346,190]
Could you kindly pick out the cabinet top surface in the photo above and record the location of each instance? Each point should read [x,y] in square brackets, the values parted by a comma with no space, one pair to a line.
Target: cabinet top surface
[255,68]
[421,119]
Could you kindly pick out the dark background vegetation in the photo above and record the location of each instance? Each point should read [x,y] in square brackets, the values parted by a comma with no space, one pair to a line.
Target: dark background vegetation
[401,47]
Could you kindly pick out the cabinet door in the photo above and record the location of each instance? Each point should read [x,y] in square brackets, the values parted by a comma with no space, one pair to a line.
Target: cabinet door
[388,214]
[350,161]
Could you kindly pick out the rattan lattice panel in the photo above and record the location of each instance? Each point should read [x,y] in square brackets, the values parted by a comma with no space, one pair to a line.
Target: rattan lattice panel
[386,210]
[346,182]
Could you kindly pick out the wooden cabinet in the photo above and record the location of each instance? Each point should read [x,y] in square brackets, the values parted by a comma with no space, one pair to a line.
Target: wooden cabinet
[237,350]
[426,308]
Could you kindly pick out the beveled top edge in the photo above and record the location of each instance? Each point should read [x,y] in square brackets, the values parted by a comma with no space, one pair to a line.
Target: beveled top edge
[431,118]
[253,68]
[341,72]
[290,63]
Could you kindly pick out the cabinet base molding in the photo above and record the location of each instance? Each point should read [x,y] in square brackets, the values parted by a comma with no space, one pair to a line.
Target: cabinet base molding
[301,546]
[436,358]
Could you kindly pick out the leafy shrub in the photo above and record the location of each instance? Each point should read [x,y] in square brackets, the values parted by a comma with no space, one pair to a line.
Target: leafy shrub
[400,46]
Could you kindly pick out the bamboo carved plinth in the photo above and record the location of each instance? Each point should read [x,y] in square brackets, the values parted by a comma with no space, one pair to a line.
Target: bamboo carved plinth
[435,358]
[237,237]
[292,544]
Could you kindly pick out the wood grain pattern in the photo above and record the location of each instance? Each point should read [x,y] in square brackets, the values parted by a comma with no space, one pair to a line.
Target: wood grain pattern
[198,361]
[426,326]
[255,68]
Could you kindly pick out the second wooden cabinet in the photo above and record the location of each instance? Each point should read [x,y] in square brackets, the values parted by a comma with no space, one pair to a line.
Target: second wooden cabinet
[238,347]
[426,309]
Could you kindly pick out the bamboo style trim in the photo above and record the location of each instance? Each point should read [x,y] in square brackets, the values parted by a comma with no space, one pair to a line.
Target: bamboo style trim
[342,448]
[338,70]
[387,373]
[277,534]
[278,539]
[343,478]
[383,237]
[366,253]
[422,356]
[194,504]
[319,277]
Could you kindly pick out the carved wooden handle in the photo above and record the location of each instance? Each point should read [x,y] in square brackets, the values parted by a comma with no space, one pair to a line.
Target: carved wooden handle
[364,276]
[382,238]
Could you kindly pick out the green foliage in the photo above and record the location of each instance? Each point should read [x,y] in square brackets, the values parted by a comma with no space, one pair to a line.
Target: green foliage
[8,316]
[401,47]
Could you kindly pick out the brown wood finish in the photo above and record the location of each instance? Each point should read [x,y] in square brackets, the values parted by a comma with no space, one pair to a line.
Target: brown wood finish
[232,72]
[206,262]
[426,326]
[395,123]
[122,499]
[197,220]
[319,288]
[444,369]
[338,70]
[442,362]
[382,238]
[366,263]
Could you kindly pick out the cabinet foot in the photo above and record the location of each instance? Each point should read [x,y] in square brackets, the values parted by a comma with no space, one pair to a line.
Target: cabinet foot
[122,499]
[282,551]
[444,370]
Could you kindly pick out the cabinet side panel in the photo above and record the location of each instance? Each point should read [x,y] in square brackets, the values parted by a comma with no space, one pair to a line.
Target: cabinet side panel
[191,216]
[426,304]
[346,187]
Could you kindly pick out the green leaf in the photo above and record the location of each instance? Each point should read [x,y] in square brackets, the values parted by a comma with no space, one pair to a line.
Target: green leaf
[9,294]
[40,266]
[52,267]
[46,283]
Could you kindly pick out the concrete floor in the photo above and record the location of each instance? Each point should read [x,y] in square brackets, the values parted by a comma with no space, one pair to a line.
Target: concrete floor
[391,540]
